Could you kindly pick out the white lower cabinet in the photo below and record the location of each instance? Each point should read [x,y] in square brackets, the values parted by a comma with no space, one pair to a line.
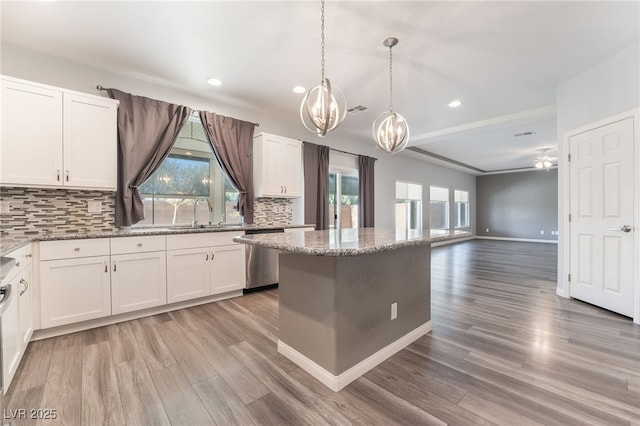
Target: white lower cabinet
[11,353]
[25,306]
[74,290]
[216,265]
[75,283]
[82,280]
[138,281]
[228,271]
[17,318]
[188,274]
[138,273]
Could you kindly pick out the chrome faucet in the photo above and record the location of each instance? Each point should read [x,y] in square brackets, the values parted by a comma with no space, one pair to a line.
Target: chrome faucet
[194,222]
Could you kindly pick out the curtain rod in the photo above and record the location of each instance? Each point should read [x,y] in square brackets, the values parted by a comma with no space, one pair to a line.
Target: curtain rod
[349,153]
[194,112]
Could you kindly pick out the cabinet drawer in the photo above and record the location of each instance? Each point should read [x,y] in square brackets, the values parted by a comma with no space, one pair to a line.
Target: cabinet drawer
[205,239]
[124,245]
[69,249]
[22,257]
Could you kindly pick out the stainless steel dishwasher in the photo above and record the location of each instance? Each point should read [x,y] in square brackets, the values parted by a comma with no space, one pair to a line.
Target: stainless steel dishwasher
[262,263]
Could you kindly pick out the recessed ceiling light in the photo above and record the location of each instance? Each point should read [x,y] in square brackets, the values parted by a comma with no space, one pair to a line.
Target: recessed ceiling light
[455,103]
[299,89]
[214,82]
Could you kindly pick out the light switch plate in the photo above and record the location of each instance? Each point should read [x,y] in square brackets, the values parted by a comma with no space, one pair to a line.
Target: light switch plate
[95,207]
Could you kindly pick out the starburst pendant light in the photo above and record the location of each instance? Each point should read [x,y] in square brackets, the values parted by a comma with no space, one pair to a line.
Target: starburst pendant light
[391,130]
[323,107]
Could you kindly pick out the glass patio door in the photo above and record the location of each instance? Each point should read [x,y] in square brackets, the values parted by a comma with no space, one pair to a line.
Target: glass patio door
[343,199]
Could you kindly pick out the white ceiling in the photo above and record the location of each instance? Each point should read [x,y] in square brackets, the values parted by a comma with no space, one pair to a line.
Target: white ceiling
[504,60]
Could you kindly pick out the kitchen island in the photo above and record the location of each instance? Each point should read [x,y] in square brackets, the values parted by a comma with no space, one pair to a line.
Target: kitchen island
[351,298]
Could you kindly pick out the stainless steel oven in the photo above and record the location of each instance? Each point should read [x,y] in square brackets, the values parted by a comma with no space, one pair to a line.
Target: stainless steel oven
[262,263]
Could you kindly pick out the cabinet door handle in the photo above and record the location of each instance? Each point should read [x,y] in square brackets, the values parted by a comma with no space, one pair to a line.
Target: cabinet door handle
[106,268]
[17,264]
[76,249]
[139,244]
[25,284]
[114,267]
[67,175]
[285,189]
[29,255]
[207,258]
[58,175]
[212,255]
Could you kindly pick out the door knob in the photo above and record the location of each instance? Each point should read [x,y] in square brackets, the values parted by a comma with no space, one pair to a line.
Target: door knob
[623,228]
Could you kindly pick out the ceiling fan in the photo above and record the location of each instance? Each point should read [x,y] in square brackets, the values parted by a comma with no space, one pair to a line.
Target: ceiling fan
[543,161]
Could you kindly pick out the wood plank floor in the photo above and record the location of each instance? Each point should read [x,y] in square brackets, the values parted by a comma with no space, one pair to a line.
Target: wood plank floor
[504,350]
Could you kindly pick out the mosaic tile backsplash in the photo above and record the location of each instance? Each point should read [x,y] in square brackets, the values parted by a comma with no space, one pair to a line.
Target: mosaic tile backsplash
[272,211]
[38,211]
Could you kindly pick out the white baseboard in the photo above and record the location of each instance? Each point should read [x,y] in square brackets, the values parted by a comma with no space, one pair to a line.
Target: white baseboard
[113,319]
[522,240]
[336,383]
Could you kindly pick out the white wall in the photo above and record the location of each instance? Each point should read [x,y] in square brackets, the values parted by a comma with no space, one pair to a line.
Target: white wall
[30,65]
[606,89]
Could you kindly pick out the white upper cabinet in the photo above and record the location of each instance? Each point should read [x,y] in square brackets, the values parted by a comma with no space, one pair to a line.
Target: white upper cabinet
[277,166]
[90,141]
[31,142]
[53,137]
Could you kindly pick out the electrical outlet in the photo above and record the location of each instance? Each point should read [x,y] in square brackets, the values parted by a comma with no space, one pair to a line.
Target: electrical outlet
[4,207]
[394,310]
[541,232]
[486,230]
[95,207]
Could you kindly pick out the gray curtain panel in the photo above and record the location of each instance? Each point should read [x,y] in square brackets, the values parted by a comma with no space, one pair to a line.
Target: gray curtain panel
[147,130]
[232,143]
[316,184]
[366,175]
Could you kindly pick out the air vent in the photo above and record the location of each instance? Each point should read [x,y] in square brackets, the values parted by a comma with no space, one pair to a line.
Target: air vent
[357,108]
[529,133]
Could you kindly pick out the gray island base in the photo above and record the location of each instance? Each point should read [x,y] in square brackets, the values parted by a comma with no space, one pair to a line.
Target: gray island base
[336,294]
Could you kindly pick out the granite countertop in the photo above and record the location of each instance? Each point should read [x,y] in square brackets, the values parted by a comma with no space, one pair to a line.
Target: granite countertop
[8,244]
[348,242]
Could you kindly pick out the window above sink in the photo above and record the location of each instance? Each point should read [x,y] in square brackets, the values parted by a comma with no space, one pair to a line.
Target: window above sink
[189,172]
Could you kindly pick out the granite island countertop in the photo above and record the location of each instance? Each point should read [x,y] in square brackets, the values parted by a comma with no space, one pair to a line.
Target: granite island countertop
[349,242]
[11,243]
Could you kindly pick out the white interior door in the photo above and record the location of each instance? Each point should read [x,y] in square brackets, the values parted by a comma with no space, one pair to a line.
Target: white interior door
[602,213]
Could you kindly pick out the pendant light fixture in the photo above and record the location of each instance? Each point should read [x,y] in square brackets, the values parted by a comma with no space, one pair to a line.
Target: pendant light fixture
[391,130]
[323,107]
